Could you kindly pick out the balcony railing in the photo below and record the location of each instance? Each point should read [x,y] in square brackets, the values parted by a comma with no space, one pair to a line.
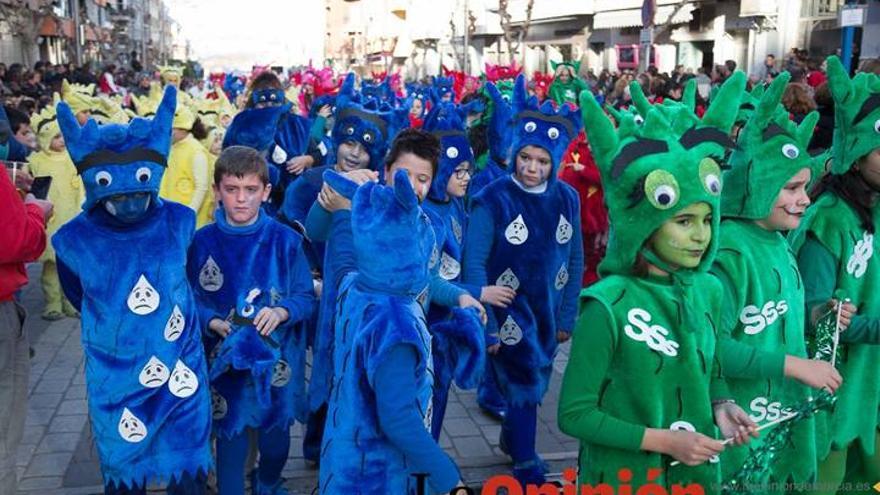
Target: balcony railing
[820,8]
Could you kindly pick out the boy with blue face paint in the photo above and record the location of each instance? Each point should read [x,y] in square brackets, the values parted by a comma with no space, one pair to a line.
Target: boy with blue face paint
[149,401]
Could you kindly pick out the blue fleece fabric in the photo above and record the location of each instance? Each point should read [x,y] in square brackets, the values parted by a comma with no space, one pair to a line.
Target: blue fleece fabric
[225,264]
[291,140]
[377,313]
[273,446]
[484,177]
[149,400]
[10,148]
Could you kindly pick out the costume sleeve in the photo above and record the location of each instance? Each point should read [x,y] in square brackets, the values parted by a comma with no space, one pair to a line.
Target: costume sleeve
[819,272]
[341,247]
[316,131]
[395,387]
[477,247]
[737,359]
[444,292]
[299,301]
[579,414]
[200,179]
[474,290]
[23,231]
[568,312]
[70,284]
[318,223]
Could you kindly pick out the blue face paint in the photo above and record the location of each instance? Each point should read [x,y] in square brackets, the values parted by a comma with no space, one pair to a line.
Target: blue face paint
[128,208]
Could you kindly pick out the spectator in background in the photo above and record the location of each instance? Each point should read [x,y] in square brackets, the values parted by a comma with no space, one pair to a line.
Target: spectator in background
[815,73]
[825,127]
[770,70]
[797,101]
[871,65]
[107,84]
[20,123]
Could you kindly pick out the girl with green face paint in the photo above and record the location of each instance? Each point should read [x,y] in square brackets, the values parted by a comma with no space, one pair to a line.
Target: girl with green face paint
[642,388]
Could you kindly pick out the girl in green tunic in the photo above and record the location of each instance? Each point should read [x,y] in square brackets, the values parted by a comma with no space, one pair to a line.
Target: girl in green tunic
[836,251]
[643,372]
[761,338]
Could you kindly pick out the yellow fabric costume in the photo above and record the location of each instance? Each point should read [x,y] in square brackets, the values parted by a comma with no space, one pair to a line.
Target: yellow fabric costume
[190,169]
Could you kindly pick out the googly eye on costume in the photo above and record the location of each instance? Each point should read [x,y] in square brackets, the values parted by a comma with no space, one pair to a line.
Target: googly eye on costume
[368,138]
[552,133]
[452,152]
[790,151]
[661,188]
[710,175]
[143,174]
[530,126]
[639,120]
[877,126]
[349,131]
[103,178]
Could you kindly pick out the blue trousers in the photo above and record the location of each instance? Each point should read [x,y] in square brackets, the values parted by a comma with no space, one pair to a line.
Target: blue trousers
[232,452]
[519,431]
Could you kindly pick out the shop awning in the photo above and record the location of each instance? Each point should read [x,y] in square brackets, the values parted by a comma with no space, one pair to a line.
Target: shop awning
[53,27]
[616,19]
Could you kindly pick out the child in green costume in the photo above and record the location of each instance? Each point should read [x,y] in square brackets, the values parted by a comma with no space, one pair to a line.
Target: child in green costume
[761,338]
[566,86]
[836,246]
[643,387]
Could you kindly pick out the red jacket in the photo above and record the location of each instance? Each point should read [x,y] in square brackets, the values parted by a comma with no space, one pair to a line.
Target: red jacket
[22,237]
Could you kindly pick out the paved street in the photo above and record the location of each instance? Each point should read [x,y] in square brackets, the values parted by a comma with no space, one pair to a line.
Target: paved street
[57,455]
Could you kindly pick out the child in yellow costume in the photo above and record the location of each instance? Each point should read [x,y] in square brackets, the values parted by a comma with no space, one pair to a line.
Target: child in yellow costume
[187,179]
[80,98]
[66,193]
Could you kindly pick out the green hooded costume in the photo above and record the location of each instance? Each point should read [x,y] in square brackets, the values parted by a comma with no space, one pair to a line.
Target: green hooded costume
[762,310]
[643,354]
[566,92]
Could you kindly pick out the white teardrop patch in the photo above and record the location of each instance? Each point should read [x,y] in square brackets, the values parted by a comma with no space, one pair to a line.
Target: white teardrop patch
[281,373]
[508,279]
[131,428]
[456,230]
[219,407]
[561,277]
[175,324]
[510,333]
[449,267]
[143,298]
[154,374]
[564,230]
[279,156]
[183,382]
[435,256]
[210,276]
[517,232]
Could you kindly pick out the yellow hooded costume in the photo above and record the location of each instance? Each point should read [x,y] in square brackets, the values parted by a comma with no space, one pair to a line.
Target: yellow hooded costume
[190,171]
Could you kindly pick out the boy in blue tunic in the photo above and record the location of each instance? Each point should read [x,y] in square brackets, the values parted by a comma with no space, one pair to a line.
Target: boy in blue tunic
[524,232]
[244,255]
[121,264]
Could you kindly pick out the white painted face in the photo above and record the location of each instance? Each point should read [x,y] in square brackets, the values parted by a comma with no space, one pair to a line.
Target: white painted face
[281,373]
[510,333]
[508,279]
[143,298]
[517,232]
[131,428]
[183,382]
[561,277]
[449,267]
[219,407]
[210,276]
[564,230]
[154,374]
[175,324]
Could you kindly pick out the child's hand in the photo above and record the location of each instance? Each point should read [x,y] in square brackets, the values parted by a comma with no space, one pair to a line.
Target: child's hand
[298,164]
[494,348]
[735,423]
[220,327]
[847,311]
[497,295]
[268,319]
[467,301]
[361,176]
[813,373]
[331,200]
[690,448]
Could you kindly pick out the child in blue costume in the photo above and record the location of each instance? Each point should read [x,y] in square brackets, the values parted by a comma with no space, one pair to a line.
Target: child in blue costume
[149,400]
[380,407]
[499,136]
[247,253]
[361,132]
[445,208]
[524,232]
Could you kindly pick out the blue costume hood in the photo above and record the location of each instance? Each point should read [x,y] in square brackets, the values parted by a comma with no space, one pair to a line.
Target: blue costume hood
[117,159]
[255,127]
[446,121]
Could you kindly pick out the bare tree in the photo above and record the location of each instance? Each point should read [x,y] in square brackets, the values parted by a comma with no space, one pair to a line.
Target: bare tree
[514,35]
[22,19]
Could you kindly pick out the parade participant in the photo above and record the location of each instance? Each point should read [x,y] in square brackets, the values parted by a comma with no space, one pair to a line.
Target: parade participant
[66,193]
[761,333]
[643,372]
[80,98]
[246,254]
[149,402]
[190,167]
[380,411]
[835,246]
[566,86]
[498,134]
[524,232]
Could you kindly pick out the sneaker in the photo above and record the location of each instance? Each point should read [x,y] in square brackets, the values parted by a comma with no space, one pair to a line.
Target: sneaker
[52,315]
[496,412]
[530,473]
[70,311]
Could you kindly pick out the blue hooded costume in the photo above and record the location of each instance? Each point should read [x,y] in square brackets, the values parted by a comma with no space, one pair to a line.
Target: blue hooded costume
[379,324]
[149,400]
[227,263]
[499,136]
[10,148]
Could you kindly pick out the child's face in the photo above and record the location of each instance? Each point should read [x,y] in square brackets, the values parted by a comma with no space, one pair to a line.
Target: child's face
[791,203]
[458,182]
[352,155]
[57,143]
[682,240]
[417,168]
[26,136]
[533,165]
[241,197]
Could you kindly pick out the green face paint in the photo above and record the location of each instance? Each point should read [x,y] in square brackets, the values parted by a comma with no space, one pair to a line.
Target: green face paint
[682,240]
